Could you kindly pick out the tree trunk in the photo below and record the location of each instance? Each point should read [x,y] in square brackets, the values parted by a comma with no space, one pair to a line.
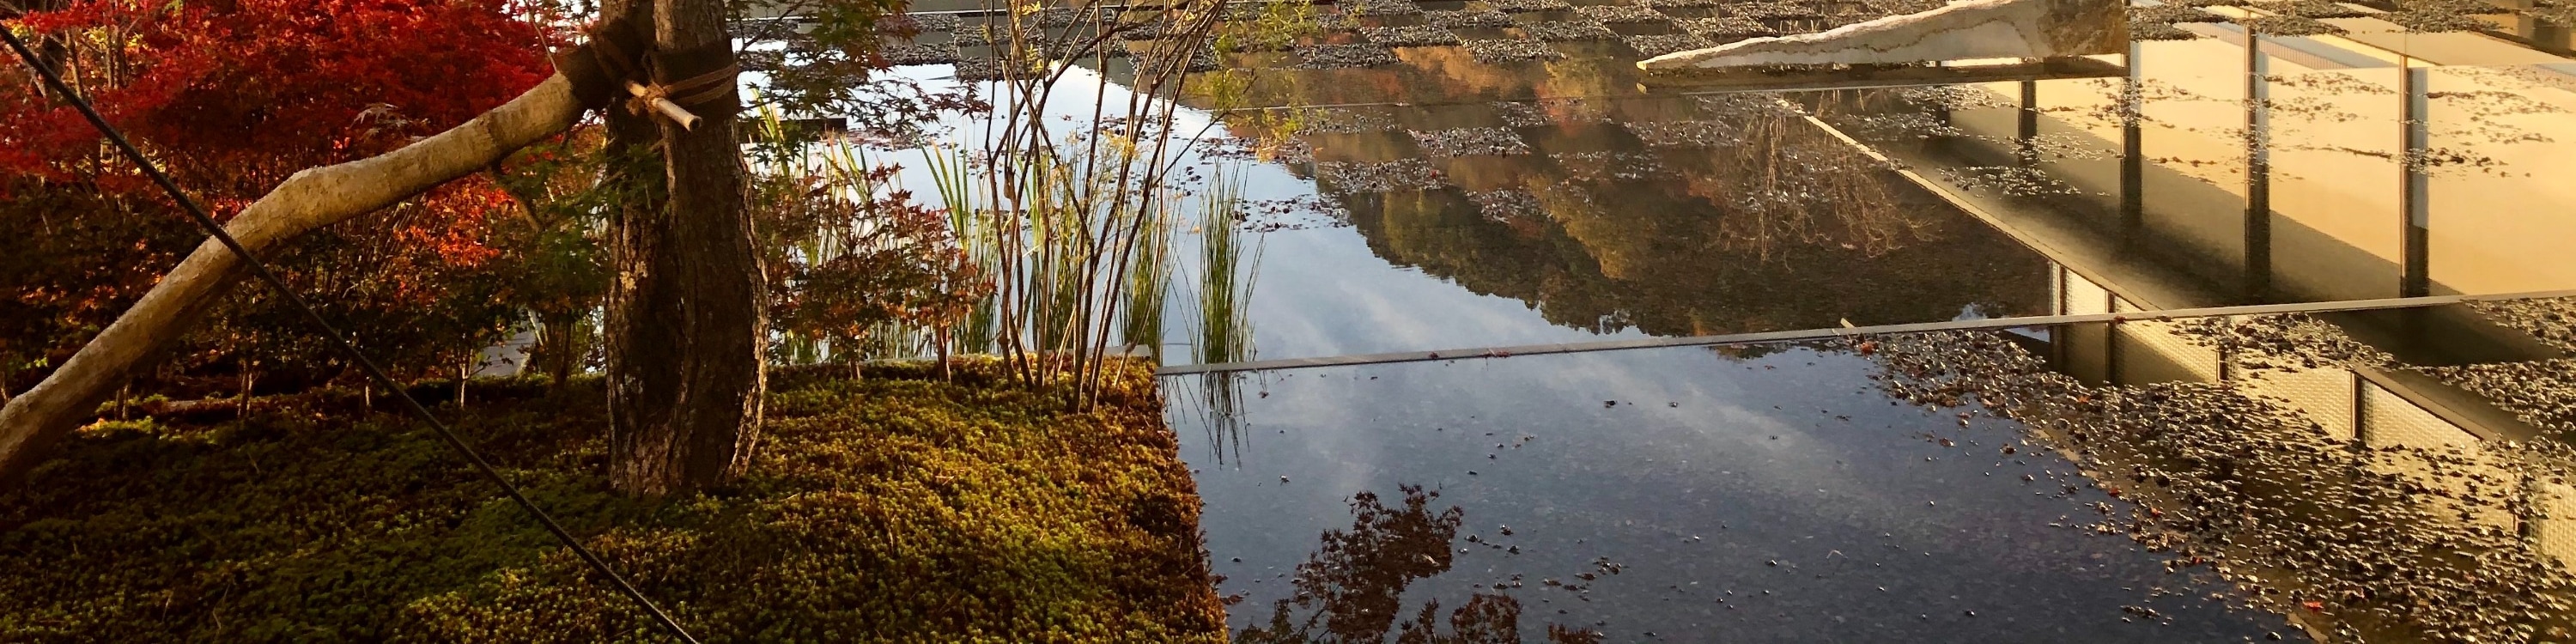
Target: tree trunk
[40,417]
[558,347]
[464,372]
[686,323]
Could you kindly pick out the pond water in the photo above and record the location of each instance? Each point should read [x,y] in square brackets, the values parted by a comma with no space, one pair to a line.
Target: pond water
[1771,494]
[1525,184]
[1873,488]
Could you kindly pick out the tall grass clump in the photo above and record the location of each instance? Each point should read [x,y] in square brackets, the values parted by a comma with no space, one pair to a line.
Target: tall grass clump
[1223,330]
[1225,277]
[1070,209]
[1061,196]
[1148,287]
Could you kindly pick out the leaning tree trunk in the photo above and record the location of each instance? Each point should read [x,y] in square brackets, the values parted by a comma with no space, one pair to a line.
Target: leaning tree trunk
[40,417]
[686,321]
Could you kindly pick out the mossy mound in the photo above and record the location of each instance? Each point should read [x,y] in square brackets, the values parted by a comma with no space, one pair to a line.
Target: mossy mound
[900,508]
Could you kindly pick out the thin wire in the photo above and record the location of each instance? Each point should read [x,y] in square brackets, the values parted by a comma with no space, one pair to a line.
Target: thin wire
[1804,335]
[374,373]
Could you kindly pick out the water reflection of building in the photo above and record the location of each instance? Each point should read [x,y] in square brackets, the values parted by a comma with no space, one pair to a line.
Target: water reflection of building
[2445,468]
[2315,169]
[2306,169]
[1559,183]
[2285,457]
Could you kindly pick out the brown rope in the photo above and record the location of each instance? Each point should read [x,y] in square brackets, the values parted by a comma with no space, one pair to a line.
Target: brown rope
[703,91]
[617,54]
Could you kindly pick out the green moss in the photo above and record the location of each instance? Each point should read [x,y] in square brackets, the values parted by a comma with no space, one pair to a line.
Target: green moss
[901,508]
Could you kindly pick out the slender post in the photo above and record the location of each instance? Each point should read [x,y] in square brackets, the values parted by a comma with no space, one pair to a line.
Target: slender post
[2258,171]
[2133,157]
[2026,140]
[2414,220]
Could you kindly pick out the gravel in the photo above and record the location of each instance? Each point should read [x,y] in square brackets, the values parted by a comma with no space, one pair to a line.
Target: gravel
[2293,26]
[919,54]
[1596,167]
[1507,206]
[1727,27]
[2311,9]
[2148,30]
[1202,59]
[1147,29]
[974,36]
[2541,392]
[1410,36]
[980,69]
[1683,134]
[1345,56]
[2470,7]
[1746,105]
[2405,542]
[1471,141]
[1901,7]
[1471,18]
[1772,11]
[2013,180]
[2551,320]
[1379,8]
[1622,14]
[1910,125]
[1511,50]
[1289,150]
[2290,341]
[1052,17]
[1569,30]
[1522,6]
[1341,120]
[1956,97]
[1521,114]
[1659,44]
[1247,11]
[1402,175]
[918,23]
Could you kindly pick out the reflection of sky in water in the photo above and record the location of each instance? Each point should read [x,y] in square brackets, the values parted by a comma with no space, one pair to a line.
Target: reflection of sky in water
[1754,458]
[1322,293]
[1320,290]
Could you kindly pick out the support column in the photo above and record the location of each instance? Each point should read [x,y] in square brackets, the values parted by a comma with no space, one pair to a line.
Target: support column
[2133,154]
[2415,215]
[2026,130]
[2258,172]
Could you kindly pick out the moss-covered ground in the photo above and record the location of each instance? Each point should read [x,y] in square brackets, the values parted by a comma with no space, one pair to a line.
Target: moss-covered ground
[899,508]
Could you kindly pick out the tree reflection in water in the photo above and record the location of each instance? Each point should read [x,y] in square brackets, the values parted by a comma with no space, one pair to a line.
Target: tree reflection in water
[1352,588]
[1782,182]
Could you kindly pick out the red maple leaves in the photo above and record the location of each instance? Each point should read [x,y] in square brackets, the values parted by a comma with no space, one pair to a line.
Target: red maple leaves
[245,92]
[232,97]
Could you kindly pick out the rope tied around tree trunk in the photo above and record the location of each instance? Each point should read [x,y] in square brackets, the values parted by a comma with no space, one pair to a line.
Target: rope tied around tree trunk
[681,85]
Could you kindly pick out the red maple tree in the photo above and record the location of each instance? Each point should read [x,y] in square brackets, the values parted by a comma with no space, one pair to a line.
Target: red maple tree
[232,97]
